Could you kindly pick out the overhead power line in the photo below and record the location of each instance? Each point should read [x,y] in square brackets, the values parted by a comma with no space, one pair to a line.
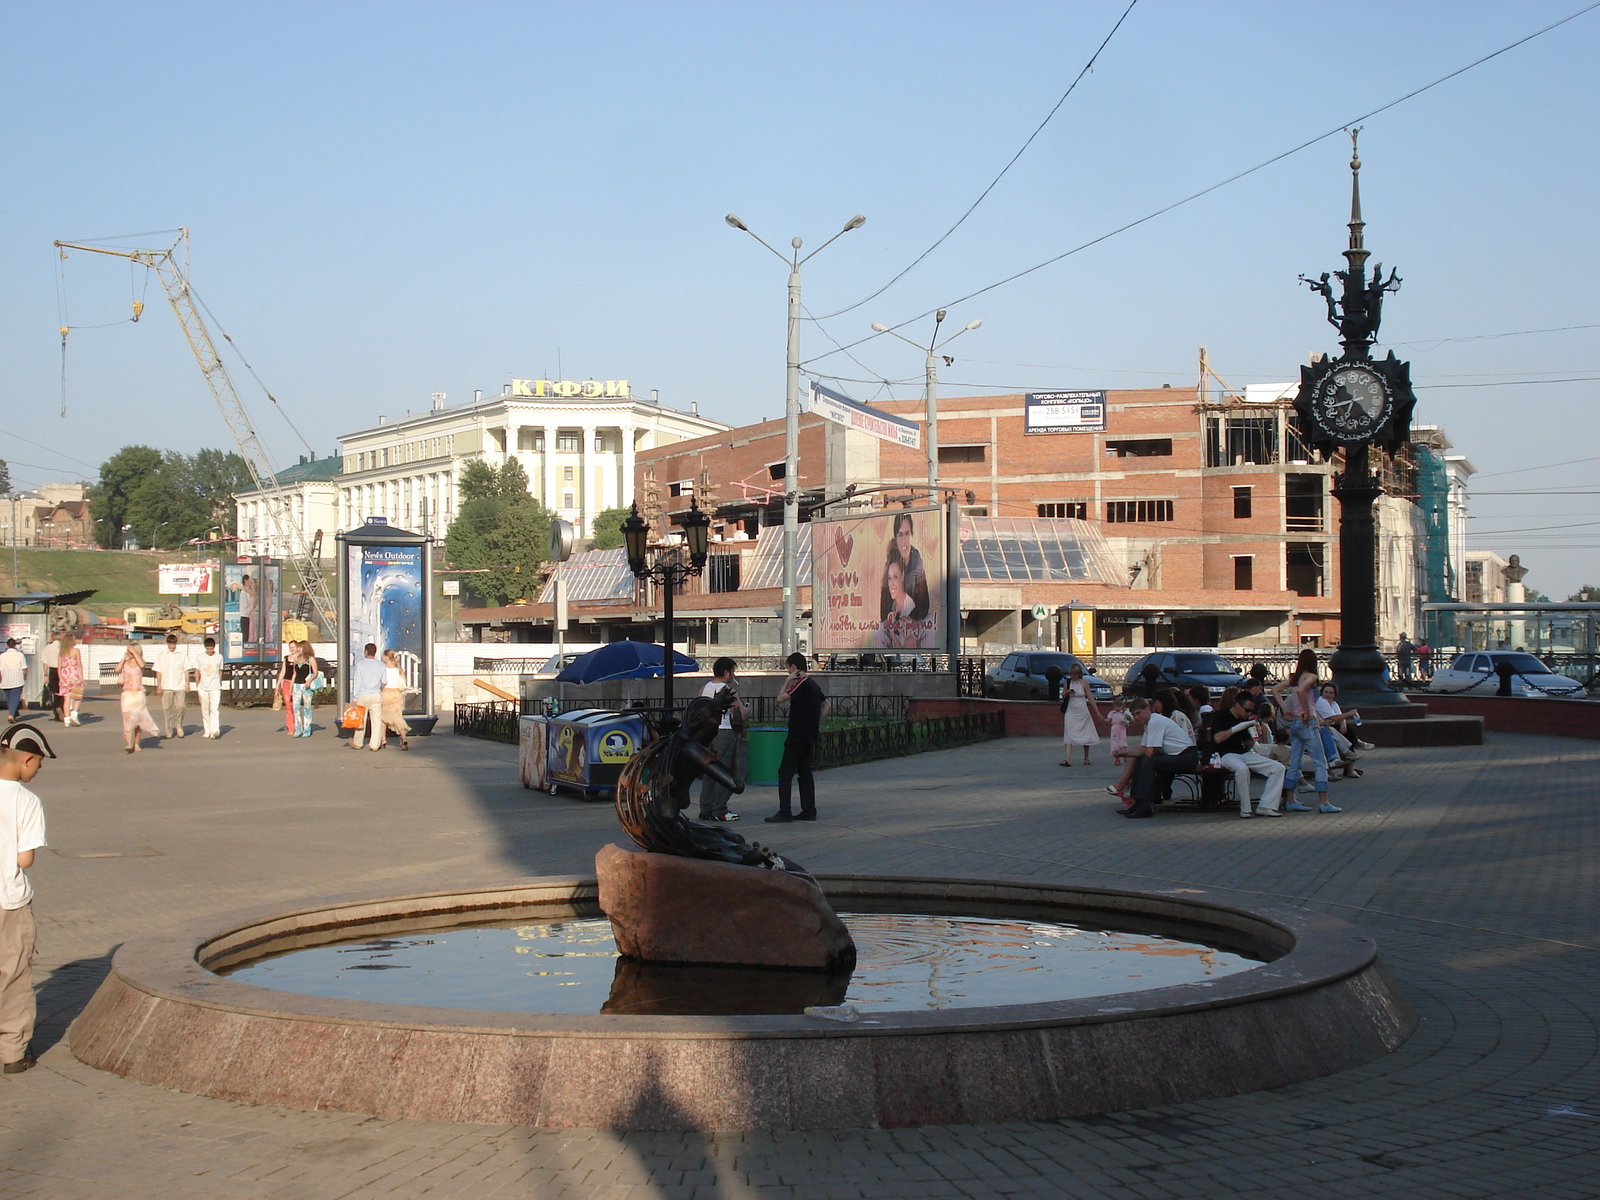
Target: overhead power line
[1234,178]
[1541,467]
[47,449]
[1433,343]
[982,196]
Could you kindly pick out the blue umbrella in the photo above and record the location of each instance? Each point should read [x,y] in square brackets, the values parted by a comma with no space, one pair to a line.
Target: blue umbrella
[624,660]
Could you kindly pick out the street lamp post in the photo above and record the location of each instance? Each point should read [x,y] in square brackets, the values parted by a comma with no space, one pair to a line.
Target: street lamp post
[930,386]
[791,421]
[15,583]
[668,573]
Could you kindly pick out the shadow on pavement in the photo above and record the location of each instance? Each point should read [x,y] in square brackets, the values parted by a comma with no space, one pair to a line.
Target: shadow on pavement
[63,995]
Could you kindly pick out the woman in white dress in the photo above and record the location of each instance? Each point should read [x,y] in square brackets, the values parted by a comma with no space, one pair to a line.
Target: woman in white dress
[1081,713]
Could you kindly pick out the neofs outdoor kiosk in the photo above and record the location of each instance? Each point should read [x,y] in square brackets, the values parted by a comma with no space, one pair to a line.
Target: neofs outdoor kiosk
[386,598]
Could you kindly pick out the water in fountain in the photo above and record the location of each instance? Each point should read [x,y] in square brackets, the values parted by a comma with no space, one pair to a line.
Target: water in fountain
[908,961]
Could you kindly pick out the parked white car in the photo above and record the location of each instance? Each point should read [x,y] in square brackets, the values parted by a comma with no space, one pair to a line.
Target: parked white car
[1474,675]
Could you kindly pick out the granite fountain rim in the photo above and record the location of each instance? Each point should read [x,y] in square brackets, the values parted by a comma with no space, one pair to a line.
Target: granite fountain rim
[1320,950]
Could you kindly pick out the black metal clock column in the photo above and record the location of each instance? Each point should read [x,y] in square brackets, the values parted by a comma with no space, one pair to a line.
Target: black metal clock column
[1352,404]
[668,573]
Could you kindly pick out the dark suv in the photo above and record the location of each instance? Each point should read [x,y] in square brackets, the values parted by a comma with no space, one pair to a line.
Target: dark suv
[1184,669]
[1022,676]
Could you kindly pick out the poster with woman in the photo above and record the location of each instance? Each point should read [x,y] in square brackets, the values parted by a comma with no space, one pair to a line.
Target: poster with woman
[878,581]
[250,617]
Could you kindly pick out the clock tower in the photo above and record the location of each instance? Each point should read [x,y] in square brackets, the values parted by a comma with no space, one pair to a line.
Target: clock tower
[1353,404]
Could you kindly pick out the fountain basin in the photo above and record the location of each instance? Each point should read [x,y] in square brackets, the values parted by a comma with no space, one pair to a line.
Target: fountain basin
[1324,1003]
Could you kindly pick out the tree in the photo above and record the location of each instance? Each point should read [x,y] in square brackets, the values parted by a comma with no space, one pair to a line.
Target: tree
[607,528]
[1588,593]
[216,477]
[5,476]
[120,474]
[501,530]
[166,498]
[478,481]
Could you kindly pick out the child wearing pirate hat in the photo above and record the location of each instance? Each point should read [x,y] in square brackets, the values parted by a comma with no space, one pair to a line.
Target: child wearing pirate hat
[23,750]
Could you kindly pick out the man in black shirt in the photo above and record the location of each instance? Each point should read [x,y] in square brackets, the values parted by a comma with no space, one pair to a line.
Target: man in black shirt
[807,707]
[1233,735]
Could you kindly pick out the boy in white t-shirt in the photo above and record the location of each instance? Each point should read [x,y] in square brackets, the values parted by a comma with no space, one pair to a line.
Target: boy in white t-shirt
[23,750]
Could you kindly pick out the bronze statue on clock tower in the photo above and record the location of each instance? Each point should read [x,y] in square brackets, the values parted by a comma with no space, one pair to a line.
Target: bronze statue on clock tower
[1352,404]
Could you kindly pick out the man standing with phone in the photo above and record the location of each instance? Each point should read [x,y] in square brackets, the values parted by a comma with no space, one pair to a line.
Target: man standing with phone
[729,745]
[807,707]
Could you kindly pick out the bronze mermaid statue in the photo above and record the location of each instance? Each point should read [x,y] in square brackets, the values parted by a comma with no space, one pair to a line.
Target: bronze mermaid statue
[653,793]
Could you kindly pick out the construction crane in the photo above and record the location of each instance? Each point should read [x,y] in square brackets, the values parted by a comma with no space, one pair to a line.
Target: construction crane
[172,268]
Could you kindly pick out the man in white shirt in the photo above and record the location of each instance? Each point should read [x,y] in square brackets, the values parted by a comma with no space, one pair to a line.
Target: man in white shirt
[13,674]
[23,750]
[729,745]
[171,665]
[1166,750]
[207,675]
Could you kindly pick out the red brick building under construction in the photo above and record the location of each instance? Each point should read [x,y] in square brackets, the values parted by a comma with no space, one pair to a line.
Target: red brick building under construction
[1202,523]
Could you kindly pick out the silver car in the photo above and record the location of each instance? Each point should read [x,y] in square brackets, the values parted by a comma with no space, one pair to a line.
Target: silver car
[1474,675]
[1022,676]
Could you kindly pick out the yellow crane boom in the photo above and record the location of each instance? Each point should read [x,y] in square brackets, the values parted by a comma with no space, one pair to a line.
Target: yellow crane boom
[171,267]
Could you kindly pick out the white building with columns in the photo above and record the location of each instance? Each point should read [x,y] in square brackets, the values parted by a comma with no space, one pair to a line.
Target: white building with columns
[310,495]
[575,439]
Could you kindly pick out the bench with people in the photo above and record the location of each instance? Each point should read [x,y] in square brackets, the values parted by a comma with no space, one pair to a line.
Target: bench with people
[1214,751]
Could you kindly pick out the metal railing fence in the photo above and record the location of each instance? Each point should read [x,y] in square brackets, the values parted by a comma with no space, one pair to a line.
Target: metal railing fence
[491,720]
[872,742]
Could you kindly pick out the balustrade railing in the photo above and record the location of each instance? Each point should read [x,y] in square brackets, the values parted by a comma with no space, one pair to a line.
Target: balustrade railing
[871,742]
[491,720]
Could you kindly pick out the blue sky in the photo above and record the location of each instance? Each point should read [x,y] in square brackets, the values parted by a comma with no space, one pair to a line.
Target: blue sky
[388,200]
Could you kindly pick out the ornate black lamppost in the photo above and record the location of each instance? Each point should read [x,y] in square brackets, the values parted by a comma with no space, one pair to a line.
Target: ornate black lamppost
[1352,403]
[667,570]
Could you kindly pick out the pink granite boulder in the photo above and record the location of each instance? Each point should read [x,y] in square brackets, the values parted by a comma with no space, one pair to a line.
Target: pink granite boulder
[668,909]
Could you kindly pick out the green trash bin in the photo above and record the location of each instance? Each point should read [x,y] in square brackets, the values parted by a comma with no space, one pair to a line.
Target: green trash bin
[766,753]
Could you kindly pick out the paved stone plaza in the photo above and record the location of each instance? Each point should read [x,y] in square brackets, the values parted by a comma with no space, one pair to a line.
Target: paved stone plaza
[1475,868]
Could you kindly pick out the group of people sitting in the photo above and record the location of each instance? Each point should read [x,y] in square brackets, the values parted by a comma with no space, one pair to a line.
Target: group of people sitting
[1277,733]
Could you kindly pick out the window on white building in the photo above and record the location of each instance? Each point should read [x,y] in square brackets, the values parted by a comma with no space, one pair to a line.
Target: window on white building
[569,441]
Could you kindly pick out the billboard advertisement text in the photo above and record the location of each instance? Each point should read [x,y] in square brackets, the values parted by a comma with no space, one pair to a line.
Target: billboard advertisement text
[878,582]
[186,579]
[1064,412]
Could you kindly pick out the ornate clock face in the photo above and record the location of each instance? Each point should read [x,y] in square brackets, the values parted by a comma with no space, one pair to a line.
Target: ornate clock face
[1350,402]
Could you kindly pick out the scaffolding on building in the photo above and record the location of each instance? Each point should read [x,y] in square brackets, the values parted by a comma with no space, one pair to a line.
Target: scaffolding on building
[1433,498]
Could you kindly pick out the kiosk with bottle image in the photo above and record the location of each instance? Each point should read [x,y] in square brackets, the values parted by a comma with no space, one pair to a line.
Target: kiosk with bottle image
[386,599]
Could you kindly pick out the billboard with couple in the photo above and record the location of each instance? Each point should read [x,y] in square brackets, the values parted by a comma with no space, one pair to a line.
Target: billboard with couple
[877,582]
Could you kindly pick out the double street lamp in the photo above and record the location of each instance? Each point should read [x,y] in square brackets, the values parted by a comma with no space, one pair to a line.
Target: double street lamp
[668,570]
[791,421]
[930,386]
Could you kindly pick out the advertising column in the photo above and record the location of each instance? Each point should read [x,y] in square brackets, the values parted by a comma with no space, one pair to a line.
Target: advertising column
[251,620]
[386,600]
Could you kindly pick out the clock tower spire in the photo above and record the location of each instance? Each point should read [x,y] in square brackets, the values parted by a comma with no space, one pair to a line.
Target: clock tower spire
[1356,255]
